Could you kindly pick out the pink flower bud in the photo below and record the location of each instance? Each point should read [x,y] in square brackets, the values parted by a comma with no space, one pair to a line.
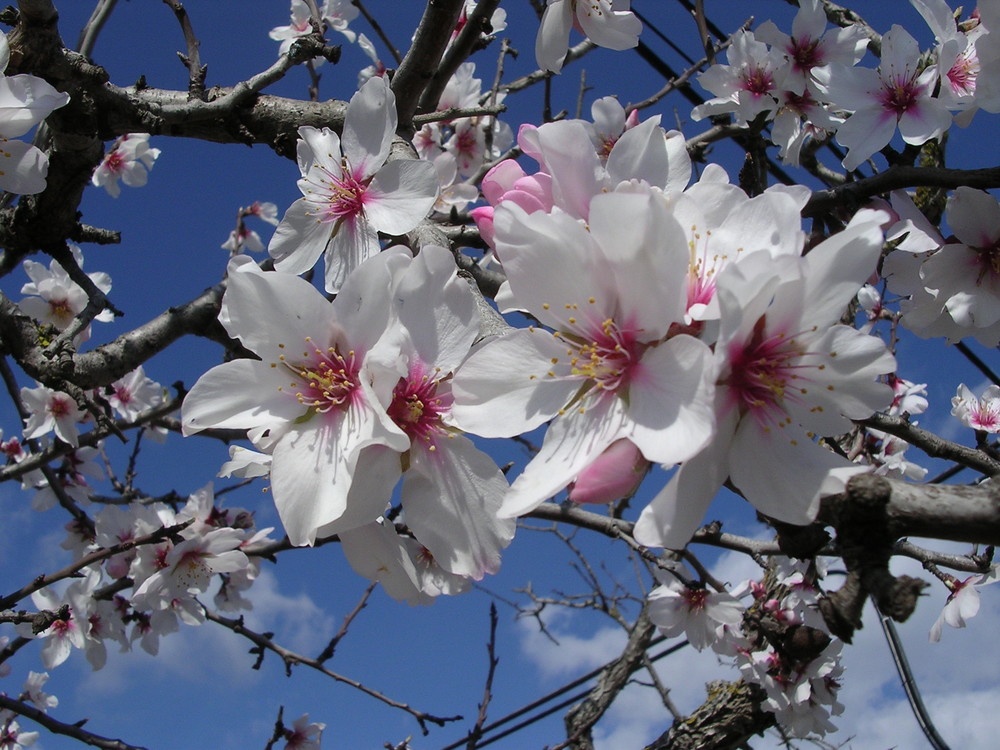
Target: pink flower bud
[483,216]
[615,474]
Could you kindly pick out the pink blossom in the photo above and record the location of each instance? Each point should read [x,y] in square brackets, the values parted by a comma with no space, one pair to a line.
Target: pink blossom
[607,23]
[350,193]
[129,159]
[51,411]
[981,413]
[616,474]
[25,100]
[693,610]
[898,92]
[962,604]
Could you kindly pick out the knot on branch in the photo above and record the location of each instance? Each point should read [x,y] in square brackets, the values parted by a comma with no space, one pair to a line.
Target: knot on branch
[46,619]
[306,48]
[866,539]
[801,542]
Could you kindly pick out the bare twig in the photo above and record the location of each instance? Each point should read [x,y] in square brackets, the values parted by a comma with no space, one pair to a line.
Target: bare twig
[192,60]
[290,658]
[327,653]
[491,649]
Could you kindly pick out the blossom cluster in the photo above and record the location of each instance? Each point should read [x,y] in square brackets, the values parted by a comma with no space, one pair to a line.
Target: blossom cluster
[777,641]
[809,85]
[695,329]
[675,321]
[162,562]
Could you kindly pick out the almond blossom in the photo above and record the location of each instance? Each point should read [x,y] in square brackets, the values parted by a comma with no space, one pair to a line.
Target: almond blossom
[811,45]
[134,394]
[607,23]
[303,734]
[25,101]
[962,604]
[676,607]
[981,413]
[310,398]
[335,14]
[746,86]
[51,411]
[609,369]
[957,56]
[613,475]
[55,299]
[129,160]
[350,193]
[11,736]
[68,624]
[898,93]
[573,171]
[965,272]
[399,563]
[451,490]
[787,371]
[188,567]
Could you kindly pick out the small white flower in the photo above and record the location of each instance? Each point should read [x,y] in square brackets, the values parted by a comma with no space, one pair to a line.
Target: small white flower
[978,413]
[676,608]
[128,160]
[51,411]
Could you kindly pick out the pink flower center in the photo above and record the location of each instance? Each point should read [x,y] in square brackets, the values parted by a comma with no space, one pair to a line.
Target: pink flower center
[328,379]
[989,264]
[800,103]
[962,76]
[609,358]
[985,415]
[338,198]
[606,145]
[416,407]
[805,54]
[115,162]
[465,144]
[757,81]
[191,571]
[898,96]
[695,598]
[59,407]
[765,371]
[60,309]
[12,449]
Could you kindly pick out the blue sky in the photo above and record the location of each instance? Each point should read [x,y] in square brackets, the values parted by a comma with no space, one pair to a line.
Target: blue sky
[201,691]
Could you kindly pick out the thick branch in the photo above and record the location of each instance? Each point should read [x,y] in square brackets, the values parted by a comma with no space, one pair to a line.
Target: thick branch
[418,67]
[724,721]
[581,719]
[852,194]
[114,360]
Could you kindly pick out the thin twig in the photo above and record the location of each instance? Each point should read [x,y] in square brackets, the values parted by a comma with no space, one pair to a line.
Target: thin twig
[192,60]
[291,658]
[491,649]
[327,653]
[90,32]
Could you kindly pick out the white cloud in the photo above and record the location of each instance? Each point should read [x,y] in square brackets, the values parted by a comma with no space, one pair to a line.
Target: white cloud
[211,652]
[574,654]
[297,621]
